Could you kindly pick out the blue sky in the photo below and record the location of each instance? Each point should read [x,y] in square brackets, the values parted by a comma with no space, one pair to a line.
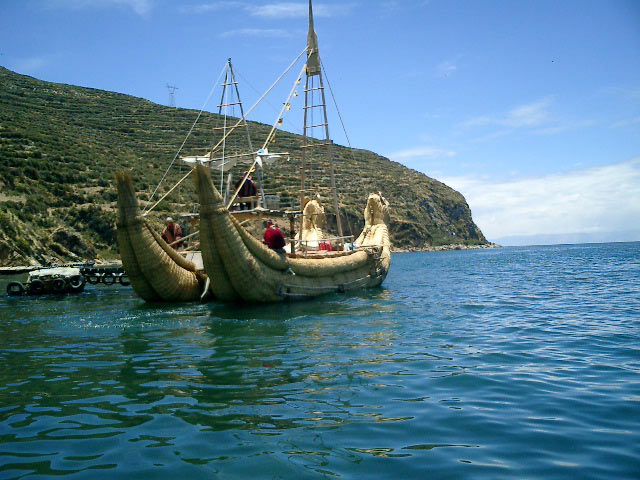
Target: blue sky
[531,109]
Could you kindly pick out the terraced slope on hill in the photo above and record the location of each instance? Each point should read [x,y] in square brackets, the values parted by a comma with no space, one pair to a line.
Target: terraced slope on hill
[60,146]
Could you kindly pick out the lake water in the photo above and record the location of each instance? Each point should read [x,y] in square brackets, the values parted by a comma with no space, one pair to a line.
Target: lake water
[507,363]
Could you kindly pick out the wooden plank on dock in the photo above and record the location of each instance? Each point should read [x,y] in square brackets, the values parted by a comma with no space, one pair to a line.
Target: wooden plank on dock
[15,270]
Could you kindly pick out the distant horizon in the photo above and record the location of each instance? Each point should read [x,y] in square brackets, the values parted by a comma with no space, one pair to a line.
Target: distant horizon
[566,239]
[561,244]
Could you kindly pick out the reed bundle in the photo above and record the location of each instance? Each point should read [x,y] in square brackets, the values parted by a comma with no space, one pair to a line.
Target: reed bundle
[156,271]
[244,268]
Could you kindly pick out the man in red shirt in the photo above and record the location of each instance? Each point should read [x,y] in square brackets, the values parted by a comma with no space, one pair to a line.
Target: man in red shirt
[273,237]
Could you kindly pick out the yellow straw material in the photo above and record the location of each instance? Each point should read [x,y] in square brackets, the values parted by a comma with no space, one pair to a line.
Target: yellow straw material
[247,270]
[156,272]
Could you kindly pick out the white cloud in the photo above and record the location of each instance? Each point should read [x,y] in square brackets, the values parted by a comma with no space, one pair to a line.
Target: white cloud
[280,10]
[626,123]
[421,153]
[446,68]
[535,118]
[594,200]
[210,7]
[31,65]
[389,5]
[564,126]
[141,7]
[257,32]
[297,10]
[528,115]
[627,93]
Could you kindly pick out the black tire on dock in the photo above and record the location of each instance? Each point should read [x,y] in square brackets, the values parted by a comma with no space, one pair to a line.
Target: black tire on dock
[93,278]
[108,278]
[123,279]
[58,285]
[77,283]
[36,287]
[15,289]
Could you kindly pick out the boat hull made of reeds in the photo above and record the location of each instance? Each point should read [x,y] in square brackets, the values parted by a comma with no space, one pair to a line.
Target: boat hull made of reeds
[243,269]
[157,272]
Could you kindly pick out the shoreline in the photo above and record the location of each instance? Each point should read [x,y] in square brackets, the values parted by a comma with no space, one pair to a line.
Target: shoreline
[448,247]
[13,269]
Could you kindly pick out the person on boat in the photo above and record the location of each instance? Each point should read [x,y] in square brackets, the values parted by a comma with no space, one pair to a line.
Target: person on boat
[172,233]
[326,246]
[273,237]
[248,189]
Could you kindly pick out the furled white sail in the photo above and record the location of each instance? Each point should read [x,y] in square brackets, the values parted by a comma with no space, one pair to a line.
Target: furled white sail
[263,157]
[313,58]
[223,165]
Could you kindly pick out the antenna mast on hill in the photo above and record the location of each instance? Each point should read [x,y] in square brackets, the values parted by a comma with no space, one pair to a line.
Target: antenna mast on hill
[172,95]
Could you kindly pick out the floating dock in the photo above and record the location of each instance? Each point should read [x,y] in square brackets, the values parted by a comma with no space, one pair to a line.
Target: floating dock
[88,267]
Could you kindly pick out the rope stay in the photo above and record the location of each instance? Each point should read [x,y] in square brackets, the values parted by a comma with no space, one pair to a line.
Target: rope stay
[185,140]
[344,129]
[147,209]
[270,136]
[336,105]
[294,128]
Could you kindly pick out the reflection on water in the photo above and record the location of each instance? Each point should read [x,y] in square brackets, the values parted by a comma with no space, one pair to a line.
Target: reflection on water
[349,303]
[495,364]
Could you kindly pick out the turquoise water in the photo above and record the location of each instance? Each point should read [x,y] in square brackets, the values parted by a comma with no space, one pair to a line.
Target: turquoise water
[507,363]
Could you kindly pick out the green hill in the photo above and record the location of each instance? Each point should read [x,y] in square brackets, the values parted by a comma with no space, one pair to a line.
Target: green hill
[60,146]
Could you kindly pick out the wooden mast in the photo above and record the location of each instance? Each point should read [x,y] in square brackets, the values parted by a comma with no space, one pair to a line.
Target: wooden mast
[313,69]
[246,127]
[230,81]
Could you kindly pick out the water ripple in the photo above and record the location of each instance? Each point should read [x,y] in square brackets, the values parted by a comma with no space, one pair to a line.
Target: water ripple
[510,363]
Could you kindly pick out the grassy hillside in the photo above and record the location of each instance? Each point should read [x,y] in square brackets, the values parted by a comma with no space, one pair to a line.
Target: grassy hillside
[60,146]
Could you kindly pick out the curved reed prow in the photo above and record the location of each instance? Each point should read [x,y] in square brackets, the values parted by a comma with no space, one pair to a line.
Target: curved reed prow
[248,271]
[127,201]
[156,271]
[375,235]
[211,206]
[313,223]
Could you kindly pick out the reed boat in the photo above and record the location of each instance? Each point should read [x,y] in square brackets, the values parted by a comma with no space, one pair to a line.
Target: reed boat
[156,271]
[232,264]
[233,257]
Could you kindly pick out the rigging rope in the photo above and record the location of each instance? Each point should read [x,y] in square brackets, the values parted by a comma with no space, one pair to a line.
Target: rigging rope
[147,210]
[260,99]
[335,103]
[296,128]
[225,101]
[186,138]
[271,133]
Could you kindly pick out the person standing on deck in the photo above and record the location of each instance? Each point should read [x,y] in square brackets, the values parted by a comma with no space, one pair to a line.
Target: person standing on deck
[248,189]
[273,237]
[172,233]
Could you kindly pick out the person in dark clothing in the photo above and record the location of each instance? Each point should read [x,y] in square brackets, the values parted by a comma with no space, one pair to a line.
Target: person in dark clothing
[248,189]
[273,237]
[171,233]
